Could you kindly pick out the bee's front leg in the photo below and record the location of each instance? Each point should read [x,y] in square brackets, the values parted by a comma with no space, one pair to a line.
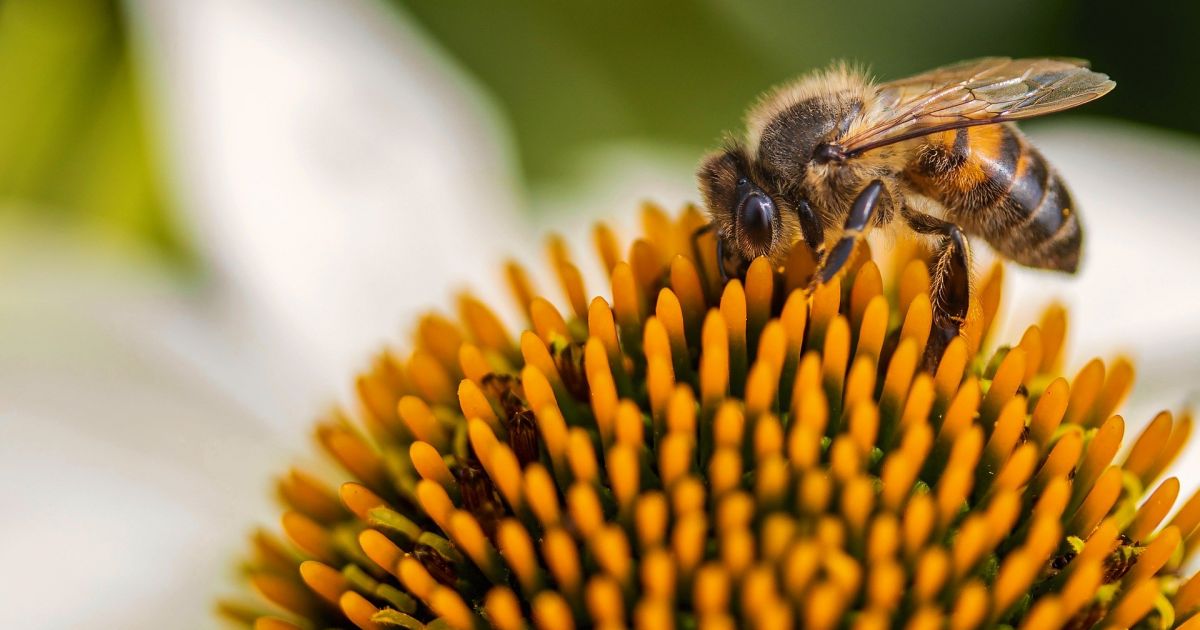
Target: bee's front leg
[857,222]
[811,230]
[721,258]
[720,238]
[951,282]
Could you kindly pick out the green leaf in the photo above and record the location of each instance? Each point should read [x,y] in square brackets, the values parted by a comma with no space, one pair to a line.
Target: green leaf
[76,149]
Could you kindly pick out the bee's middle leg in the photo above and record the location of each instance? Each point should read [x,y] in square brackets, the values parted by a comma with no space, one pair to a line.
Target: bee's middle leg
[951,282]
[857,222]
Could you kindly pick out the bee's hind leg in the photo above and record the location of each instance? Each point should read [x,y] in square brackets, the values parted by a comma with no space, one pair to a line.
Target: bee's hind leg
[951,282]
[856,227]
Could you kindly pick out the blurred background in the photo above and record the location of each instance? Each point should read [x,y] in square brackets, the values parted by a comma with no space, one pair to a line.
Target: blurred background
[211,213]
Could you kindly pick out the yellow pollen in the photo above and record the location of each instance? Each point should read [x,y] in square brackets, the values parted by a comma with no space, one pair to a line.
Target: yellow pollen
[1153,510]
[504,609]
[359,610]
[1049,412]
[541,495]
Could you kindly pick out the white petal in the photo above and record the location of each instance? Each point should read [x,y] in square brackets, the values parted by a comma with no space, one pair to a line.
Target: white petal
[128,479]
[339,176]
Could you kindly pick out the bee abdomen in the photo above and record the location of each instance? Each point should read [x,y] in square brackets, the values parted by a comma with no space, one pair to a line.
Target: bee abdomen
[994,184]
[1049,235]
[969,169]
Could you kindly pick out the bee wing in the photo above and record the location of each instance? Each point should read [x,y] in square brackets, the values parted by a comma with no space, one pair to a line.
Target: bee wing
[978,92]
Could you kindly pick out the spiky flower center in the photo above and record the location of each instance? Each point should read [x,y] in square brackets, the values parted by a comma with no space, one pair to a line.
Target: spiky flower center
[741,454]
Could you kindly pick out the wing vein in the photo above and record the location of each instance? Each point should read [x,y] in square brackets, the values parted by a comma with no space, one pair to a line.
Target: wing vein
[986,91]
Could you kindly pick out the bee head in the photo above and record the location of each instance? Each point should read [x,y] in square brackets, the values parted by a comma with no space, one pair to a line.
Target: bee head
[738,202]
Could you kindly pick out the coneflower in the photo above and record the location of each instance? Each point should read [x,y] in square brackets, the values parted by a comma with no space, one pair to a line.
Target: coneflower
[743,454]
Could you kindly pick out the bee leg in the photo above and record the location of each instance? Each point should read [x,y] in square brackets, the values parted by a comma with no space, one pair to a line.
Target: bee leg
[721,258]
[951,290]
[701,231]
[810,228]
[856,225]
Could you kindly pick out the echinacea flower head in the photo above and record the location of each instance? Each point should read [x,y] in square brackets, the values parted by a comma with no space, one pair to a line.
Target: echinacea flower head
[700,453]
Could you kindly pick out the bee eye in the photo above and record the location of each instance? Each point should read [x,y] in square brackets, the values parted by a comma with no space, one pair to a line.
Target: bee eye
[757,217]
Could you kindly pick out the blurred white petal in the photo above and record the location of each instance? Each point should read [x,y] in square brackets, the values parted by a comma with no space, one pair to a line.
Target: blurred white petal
[339,180]
[338,175]
[128,479]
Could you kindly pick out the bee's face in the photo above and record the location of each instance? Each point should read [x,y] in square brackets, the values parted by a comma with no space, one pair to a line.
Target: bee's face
[743,211]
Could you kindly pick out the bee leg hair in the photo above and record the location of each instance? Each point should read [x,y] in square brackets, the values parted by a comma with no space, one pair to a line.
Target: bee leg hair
[951,290]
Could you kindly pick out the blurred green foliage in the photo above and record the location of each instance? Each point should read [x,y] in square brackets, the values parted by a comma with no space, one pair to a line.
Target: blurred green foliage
[571,75]
[1150,48]
[75,150]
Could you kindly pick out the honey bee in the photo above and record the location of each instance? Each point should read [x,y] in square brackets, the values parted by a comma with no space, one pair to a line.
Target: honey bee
[833,155]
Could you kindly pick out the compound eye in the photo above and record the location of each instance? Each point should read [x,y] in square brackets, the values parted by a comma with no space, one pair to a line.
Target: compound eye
[758,217]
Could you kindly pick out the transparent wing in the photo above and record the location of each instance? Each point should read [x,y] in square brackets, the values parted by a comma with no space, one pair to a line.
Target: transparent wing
[978,92]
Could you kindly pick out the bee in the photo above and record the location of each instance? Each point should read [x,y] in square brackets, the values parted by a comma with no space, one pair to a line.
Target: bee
[833,155]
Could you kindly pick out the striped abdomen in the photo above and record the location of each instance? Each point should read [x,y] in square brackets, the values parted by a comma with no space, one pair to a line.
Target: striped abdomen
[994,184]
